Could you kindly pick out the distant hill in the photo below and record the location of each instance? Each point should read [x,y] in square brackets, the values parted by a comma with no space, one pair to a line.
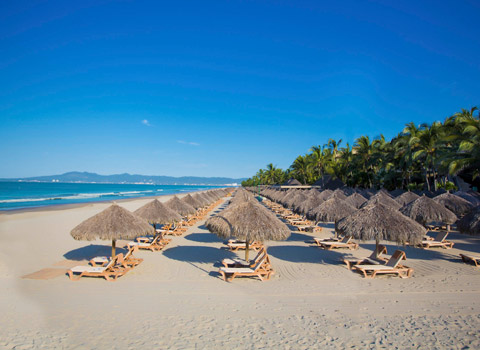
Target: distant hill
[76,176]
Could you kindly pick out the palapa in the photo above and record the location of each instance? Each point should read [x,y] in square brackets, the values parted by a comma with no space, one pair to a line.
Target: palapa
[156,212]
[470,223]
[381,197]
[406,198]
[192,201]
[380,222]
[113,223]
[469,197]
[332,210]
[356,200]
[248,221]
[179,206]
[425,210]
[309,204]
[455,204]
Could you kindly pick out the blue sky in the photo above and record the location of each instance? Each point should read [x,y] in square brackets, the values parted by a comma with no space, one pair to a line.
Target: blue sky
[221,88]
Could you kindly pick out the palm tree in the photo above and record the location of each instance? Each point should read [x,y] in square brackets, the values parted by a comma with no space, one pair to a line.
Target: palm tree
[300,169]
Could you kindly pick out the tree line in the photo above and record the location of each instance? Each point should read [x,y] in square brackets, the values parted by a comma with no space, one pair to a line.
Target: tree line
[419,157]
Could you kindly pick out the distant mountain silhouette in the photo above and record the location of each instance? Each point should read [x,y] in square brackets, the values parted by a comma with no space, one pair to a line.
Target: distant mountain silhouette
[76,176]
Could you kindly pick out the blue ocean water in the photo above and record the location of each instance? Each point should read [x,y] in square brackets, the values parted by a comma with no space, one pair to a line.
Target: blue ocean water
[21,195]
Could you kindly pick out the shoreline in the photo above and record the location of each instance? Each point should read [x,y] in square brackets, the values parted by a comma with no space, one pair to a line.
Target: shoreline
[66,206]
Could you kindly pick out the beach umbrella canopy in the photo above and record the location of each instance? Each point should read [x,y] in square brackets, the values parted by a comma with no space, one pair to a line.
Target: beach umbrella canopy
[425,210]
[332,210]
[381,197]
[356,200]
[381,222]
[296,200]
[113,223]
[156,212]
[248,221]
[470,223]
[202,199]
[339,194]
[310,203]
[456,204]
[469,197]
[191,201]
[179,206]
[292,182]
[324,195]
[406,198]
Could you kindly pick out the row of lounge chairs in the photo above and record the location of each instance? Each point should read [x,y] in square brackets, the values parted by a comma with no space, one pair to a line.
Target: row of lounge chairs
[111,269]
[301,223]
[259,267]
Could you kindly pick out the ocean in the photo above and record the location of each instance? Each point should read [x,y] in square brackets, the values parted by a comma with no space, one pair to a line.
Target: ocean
[22,195]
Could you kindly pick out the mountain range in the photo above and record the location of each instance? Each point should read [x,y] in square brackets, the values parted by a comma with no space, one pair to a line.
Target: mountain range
[76,176]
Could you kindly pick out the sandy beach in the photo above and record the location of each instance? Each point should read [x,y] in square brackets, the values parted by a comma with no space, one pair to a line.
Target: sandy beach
[176,299]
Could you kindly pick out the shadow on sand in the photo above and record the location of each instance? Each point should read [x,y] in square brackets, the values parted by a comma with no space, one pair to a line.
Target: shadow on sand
[91,251]
[299,237]
[300,254]
[198,254]
[205,237]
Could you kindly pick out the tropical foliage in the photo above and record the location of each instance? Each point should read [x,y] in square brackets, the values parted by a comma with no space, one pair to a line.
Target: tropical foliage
[421,156]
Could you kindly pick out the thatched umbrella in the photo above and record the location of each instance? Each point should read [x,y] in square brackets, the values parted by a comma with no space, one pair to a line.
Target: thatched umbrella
[381,222]
[339,194]
[248,221]
[355,200]
[156,212]
[332,210]
[406,198]
[425,210]
[310,203]
[469,197]
[179,206]
[456,204]
[113,223]
[324,195]
[296,200]
[192,201]
[381,197]
[396,192]
[202,199]
[470,223]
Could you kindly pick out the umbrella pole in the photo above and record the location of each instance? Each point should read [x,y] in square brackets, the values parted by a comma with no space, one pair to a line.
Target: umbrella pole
[377,242]
[113,248]
[246,249]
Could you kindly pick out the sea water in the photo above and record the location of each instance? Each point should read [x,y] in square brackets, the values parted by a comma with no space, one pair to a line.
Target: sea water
[21,195]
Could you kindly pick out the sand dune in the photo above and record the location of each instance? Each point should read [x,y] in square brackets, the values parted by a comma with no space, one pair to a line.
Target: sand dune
[176,299]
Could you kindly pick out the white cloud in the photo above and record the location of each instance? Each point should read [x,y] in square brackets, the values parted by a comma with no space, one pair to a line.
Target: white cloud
[188,143]
[146,122]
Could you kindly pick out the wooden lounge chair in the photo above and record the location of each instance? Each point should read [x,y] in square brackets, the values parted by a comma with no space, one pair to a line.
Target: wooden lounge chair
[110,272]
[439,241]
[374,258]
[129,261]
[391,267]
[262,270]
[154,245]
[242,263]
[345,243]
[234,246]
[469,258]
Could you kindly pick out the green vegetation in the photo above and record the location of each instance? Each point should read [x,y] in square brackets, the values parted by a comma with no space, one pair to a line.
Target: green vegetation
[418,157]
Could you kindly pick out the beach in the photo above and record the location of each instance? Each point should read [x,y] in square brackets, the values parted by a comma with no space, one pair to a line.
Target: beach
[176,299]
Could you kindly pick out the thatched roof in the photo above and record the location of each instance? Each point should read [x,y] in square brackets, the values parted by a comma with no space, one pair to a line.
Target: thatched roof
[334,184]
[381,197]
[333,209]
[157,213]
[324,195]
[382,223]
[456,204]
[202,199]
[114,222]
[470,223]
[241,196]
[292,182]
[322,181]
[406,198]
[248,221]
[425,210]
[179,206]
[309,204]
[192,201]
[469,197]
[339,194]
[355,200]
[297,199]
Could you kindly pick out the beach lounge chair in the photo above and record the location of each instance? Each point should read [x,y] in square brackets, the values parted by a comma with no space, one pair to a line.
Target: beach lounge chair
[439,241]
[374,258]
[154,245]
[242,263]
[469,258]
[129,261]
[234,246]
[391,267]
[345,243]
[262,270]
[110,272]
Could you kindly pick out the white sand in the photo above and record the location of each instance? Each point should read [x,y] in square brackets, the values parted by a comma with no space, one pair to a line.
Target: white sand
[175,298]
